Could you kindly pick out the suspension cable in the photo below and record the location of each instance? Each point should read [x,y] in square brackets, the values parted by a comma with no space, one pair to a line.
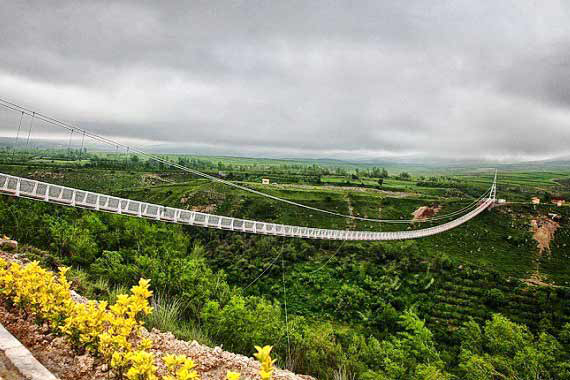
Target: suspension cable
[138,150]
[329,260]
[30,130]
[17,135]
[69,143]
[288,357]
[265,270]
[81,150]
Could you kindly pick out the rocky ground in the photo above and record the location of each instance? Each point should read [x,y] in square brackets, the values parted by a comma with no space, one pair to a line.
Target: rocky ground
[57,355]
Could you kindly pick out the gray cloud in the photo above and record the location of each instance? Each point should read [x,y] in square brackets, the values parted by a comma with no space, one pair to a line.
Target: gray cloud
[346,79]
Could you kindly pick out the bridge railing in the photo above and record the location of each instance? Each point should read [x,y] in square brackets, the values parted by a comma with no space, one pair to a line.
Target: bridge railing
[37,190]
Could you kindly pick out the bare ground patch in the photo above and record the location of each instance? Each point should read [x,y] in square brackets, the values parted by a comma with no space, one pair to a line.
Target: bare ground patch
[536,279]
[205,208]
[425,212]
[154,179]
[543,231]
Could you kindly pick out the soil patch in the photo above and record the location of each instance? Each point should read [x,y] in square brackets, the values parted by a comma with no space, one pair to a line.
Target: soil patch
[425,212]
[208,209]
[154,179]
[543,231]
[536,280]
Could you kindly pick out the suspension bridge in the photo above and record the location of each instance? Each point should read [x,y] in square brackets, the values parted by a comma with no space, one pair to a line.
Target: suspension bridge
[62,195]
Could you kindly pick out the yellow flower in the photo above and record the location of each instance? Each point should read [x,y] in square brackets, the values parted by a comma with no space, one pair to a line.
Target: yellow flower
[170,361]
[146,344]
[109,330]
[233,375]
[264,357]
[180,368]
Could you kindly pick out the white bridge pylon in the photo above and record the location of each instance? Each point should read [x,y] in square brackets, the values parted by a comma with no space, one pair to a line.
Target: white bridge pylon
[42,191]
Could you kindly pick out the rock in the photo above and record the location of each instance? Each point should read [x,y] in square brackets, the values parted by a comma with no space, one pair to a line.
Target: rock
[84,363]
[78,298]
[8,244]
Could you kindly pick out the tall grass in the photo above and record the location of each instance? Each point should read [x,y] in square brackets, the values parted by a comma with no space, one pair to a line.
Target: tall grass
[342,373]
[115,291]
[168,315]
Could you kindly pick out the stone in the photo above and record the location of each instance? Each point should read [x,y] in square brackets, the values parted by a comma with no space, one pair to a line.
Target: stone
[8,244]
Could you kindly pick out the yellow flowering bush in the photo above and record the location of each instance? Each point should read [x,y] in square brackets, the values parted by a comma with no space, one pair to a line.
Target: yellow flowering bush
[110,331]
[181,368]
[264,356]
[141,365]
[36,290]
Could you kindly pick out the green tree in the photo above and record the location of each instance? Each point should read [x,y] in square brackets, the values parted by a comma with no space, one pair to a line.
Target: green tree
[72,241]
[410,354]
[506,350]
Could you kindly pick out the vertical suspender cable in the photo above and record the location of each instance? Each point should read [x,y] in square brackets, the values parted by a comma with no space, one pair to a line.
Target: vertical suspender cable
[127,160]
[30,130]
[81,150]
[17,135]
[288,357]
[69,143]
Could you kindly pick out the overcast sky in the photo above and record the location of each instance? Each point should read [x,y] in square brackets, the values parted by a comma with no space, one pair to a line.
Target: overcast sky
[337,79]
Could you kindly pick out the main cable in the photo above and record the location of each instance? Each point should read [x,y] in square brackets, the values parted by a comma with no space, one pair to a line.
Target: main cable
[96,137]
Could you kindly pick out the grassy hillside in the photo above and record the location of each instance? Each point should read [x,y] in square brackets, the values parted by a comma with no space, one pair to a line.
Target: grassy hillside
[339,294]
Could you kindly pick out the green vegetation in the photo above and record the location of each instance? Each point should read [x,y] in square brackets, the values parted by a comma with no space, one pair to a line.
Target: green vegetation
[450,306]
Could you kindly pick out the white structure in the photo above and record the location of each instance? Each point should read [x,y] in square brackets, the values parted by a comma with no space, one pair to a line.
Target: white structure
[265,181]
[41,191]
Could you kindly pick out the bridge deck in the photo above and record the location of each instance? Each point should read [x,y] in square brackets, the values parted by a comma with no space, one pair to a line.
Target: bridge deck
[28,188]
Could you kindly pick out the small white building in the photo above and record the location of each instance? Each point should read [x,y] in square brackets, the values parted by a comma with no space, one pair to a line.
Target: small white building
[535,200]
[501,201]
[265,181]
